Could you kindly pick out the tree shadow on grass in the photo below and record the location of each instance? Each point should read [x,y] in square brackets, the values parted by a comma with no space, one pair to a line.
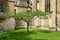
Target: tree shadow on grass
[41,39]
[44,31]
[21,35]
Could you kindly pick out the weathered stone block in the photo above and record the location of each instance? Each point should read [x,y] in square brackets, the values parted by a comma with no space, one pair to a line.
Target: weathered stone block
[21,24]
[8,24]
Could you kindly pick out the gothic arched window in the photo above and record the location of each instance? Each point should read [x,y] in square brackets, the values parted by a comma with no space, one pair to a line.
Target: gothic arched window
[47,6]
[1,8]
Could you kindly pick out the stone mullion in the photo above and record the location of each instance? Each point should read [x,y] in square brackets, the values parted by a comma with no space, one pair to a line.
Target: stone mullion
[54,14]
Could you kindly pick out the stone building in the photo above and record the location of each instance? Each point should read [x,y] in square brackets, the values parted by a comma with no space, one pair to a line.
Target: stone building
[51,7]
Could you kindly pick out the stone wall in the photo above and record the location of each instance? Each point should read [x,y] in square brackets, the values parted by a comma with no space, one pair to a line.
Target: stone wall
[40,23]
[8,24]
[58,20]
[10,6]
[36,22]
[21,24]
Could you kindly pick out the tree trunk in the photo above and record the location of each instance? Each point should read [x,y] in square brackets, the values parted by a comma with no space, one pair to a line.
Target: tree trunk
[27,27]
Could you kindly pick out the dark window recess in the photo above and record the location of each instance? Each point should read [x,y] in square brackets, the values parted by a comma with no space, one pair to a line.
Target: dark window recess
[2,11]
[47,6]
[15,11]
[38,1]
[1,8]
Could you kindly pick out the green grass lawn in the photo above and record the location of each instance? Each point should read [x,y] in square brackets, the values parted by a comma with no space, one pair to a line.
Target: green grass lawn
[34,34]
